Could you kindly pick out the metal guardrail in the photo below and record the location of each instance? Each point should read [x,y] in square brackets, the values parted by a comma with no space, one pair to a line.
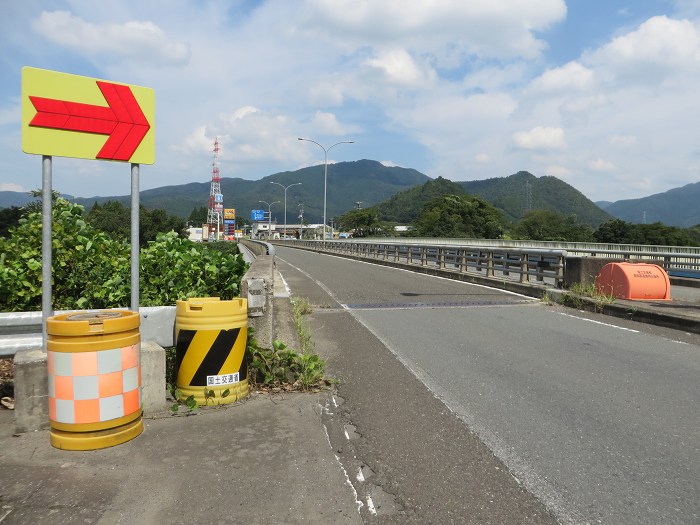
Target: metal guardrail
[22,330]
[524,263]
[679,260]
[258,247]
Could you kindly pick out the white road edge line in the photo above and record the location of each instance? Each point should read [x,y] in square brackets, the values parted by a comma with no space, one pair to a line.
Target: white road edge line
[348,481]
[370,505]
[599,322]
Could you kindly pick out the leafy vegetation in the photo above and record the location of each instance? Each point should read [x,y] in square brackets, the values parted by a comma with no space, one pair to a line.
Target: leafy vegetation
[578,291]
[363,222]
[459,216]
[114,218]
[405,207]
[9,217]
[545,225]
[173,268]
[300,308]
[280,365]
[91,269]
[618,231]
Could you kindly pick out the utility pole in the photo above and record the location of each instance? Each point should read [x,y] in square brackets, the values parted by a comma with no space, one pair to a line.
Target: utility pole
[301,221]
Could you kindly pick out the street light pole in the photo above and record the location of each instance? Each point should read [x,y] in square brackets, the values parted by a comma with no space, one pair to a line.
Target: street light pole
[285,201]
[301,222]
[269,217]
[325,174]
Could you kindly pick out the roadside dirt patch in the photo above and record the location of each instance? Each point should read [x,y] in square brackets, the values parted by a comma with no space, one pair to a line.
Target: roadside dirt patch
[7,377]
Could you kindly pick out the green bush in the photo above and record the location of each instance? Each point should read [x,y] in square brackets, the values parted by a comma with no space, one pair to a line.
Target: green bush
[91,270]
[279,365]
[174,268]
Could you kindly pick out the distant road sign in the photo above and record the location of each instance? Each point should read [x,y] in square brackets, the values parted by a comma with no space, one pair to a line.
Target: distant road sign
[70,115]
[257,215]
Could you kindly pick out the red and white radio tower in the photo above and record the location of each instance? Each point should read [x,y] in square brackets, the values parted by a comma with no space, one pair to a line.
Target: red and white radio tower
[216,199]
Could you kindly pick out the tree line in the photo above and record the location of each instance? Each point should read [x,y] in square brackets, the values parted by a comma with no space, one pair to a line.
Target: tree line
[467,216]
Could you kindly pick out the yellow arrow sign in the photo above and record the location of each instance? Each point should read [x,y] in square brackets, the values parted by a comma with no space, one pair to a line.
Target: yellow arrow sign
[87,118]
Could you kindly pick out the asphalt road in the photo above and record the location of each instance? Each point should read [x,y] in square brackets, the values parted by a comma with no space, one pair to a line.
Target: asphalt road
[463,402]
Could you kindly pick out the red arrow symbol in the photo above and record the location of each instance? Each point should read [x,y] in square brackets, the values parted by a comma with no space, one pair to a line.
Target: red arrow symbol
[122,119]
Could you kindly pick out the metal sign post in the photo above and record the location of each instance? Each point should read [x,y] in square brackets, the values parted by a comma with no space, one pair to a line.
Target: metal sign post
[46,251]
[135,248]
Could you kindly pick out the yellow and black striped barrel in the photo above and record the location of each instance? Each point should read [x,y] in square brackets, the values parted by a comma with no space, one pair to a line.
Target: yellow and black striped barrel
[211,338]
[94,374]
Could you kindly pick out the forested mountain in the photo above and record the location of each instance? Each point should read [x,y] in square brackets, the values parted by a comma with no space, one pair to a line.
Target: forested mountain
[522,192]
[676,207]
[370,183]
[406,206]
[365,181]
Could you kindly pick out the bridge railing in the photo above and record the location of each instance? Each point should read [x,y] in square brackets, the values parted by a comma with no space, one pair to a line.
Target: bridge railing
[523,264]
[674,259]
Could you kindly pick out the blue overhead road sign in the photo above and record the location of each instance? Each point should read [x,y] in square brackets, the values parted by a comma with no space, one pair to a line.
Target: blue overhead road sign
[257,215]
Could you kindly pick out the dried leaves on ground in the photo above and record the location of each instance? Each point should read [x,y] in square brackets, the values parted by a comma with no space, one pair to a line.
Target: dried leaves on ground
[7,390]
[6,370]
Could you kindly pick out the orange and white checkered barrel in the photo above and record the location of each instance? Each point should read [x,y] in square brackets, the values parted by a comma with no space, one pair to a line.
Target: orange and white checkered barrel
[94,374]
[211,339]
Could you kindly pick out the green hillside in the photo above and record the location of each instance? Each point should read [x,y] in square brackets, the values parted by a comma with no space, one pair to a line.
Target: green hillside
[406,206]
[365,181]
[400,194]
[509,194]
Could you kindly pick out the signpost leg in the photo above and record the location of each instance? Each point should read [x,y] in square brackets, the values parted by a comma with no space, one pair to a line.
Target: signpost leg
[46,251]
[135,249]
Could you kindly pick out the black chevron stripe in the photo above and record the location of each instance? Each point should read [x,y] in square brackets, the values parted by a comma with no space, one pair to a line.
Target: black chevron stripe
[184,339]
[215,357]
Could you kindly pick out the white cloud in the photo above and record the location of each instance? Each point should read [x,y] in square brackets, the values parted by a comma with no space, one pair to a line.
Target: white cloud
[327,94]
[143,42]
[659,48]
[571,76]
[327,124]
[584,104]
[388,163]
[241,113]
[196,142]
[449,29]
[482,158]
[602,165]
[541,138]
[397,66]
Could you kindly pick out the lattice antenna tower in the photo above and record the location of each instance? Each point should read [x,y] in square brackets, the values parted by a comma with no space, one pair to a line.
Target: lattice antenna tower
[216,203]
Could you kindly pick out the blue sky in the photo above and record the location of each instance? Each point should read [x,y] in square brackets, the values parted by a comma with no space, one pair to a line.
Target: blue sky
[602,94]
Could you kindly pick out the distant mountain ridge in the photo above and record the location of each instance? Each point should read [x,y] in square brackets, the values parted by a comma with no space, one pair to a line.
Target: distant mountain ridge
[675,207]
[365,181]
[370,183]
